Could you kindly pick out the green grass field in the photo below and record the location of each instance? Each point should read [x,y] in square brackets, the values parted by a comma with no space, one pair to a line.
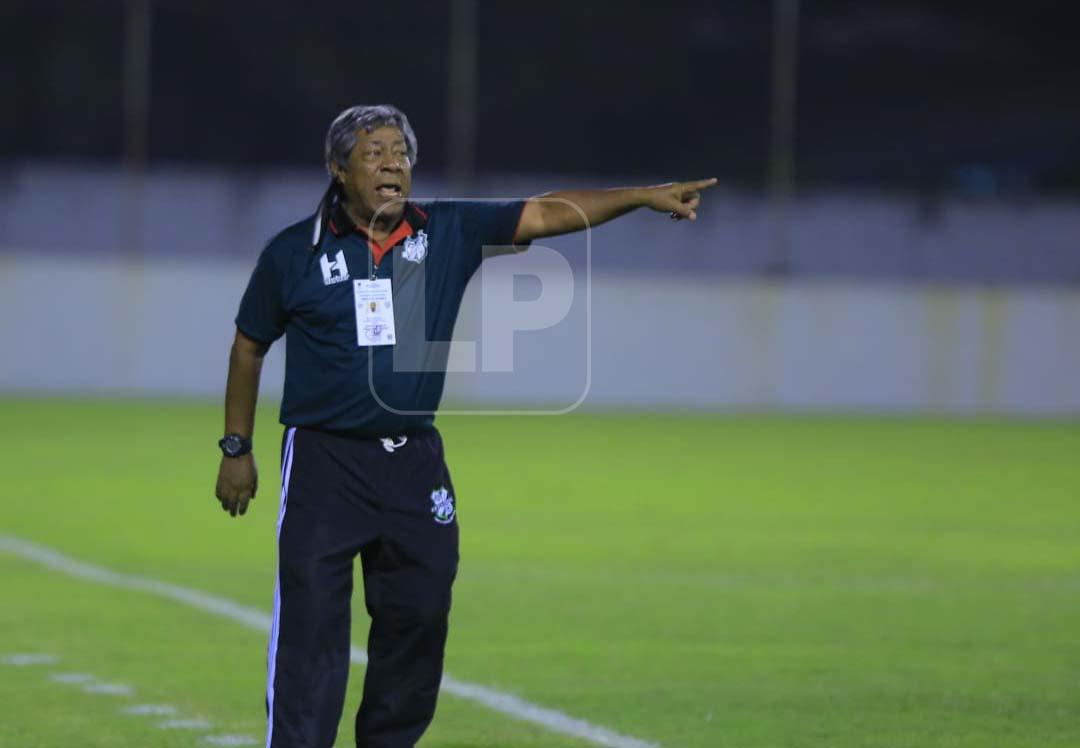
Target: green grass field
[744,581]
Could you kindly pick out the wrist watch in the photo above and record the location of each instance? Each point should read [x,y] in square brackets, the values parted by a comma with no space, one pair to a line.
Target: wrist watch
[234,445]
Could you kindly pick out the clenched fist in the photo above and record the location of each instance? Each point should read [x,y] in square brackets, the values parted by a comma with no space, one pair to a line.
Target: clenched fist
[237,481]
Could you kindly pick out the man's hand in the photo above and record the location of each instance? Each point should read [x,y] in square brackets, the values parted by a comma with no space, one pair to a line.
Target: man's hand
[555,213]
[680,199]
[237,482]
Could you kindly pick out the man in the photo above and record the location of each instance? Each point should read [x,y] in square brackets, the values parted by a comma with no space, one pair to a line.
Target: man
[370,281]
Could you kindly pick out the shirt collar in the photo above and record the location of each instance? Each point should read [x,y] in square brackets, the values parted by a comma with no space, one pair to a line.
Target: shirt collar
[412,220]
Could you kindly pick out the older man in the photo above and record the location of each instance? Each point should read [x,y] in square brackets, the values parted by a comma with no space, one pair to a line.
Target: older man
[370,279]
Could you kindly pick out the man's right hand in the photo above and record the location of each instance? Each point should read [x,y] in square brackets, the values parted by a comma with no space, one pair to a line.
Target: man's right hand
[237,481]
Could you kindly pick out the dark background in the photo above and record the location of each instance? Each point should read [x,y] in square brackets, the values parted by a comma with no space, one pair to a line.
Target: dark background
[956,96]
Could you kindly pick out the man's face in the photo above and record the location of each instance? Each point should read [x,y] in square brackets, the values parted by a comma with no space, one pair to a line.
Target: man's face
[379,174]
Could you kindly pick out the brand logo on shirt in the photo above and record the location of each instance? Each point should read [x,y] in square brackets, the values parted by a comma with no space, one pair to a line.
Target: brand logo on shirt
[335,270]
[415,247]
[442,506]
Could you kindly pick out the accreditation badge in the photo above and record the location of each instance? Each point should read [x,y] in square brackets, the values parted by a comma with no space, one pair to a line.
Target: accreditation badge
[374,312]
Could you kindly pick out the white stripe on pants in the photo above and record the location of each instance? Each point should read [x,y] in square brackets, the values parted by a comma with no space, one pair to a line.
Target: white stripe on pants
[271,655]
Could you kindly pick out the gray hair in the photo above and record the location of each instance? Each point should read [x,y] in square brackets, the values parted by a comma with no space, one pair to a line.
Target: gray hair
[341,137]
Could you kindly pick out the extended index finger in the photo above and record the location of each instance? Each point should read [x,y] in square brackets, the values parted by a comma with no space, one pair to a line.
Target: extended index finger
[701,184]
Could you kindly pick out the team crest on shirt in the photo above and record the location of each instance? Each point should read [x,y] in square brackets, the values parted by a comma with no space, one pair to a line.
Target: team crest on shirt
[442,506]
[415,249]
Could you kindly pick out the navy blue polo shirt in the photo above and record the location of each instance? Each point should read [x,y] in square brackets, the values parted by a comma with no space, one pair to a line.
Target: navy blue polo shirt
[331,381]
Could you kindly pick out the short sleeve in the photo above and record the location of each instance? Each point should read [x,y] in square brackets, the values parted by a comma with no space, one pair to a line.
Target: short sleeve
[262,312]
[490,226]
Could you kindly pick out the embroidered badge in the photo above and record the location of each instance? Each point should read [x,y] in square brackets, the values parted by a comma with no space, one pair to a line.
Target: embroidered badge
[415,249]
[442,506]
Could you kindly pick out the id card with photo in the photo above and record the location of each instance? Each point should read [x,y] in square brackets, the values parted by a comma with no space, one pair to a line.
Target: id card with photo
[374,312]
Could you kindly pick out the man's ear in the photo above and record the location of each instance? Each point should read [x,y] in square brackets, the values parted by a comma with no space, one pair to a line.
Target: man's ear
[337,173]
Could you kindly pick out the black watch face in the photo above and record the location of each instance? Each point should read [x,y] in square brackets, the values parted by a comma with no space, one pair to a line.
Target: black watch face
[232,445]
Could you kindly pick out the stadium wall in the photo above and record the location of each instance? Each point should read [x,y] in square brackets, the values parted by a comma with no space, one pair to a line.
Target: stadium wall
[175,214]
[110,325]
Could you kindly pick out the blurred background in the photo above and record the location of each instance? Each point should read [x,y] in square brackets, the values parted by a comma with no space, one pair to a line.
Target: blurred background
[897,225]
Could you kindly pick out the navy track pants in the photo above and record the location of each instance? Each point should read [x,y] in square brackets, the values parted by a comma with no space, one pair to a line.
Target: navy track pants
[391,502]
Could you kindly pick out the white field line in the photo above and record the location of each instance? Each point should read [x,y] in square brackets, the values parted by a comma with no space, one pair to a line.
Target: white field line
[230,740]
[73,678]
[28,659]
[184,724]
[109,689]
[153,710]
[499,701]
[91,685]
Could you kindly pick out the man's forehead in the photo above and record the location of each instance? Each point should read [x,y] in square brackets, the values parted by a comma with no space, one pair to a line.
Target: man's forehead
[386,133]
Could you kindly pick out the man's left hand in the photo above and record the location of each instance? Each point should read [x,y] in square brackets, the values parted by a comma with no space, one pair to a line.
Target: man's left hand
[680,199]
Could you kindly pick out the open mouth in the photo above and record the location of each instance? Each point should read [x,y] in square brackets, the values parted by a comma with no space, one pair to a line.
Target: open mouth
[388,190]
